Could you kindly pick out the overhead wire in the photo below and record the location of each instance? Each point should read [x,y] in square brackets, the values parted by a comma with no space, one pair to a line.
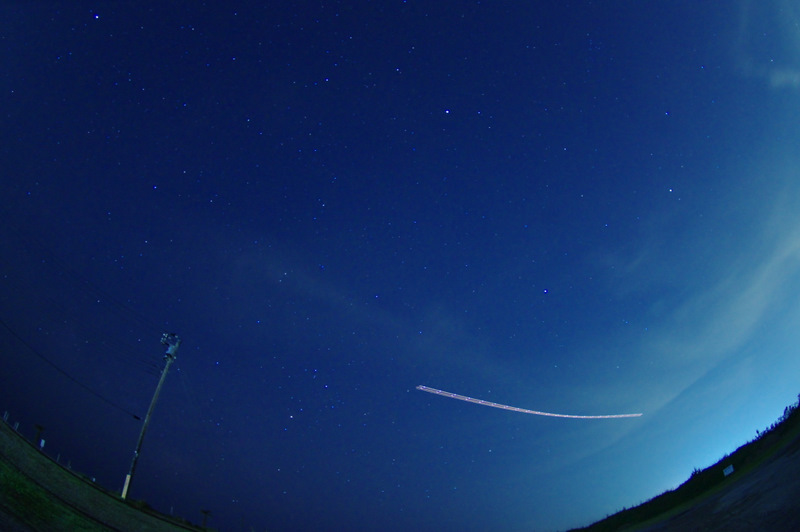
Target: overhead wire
[62,322]
[65,374]
[90,330]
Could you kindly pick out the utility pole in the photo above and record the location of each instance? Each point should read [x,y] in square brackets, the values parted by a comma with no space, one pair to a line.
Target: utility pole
[172,342]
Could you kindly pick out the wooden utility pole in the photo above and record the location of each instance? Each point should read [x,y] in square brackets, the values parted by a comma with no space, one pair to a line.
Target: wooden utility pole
[172,342]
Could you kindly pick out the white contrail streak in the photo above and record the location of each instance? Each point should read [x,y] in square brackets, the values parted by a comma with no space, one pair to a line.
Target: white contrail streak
[514,408]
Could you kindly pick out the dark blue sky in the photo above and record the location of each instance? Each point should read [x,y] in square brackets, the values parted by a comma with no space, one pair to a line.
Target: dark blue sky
[579,208]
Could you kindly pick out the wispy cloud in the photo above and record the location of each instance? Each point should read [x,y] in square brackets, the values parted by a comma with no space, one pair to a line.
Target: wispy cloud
[752,287]
[775,59]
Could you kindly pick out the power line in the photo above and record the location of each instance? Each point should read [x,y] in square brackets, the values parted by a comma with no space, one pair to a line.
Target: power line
[67,375]
[60,319]
[74,291]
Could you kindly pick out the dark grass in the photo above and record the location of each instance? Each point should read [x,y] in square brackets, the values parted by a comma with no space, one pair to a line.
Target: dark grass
[33,505]
[36,493]
[782,437]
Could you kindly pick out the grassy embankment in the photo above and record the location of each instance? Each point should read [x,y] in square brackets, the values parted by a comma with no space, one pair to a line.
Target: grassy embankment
[783,436]
[36,493]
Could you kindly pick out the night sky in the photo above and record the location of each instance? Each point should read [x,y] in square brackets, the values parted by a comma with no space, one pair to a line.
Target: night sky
[583,208]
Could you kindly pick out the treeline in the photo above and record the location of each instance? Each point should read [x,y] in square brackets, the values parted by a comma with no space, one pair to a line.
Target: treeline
[702,481]
[787,412]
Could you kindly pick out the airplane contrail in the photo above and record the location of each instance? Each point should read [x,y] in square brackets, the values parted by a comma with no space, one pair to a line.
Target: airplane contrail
[514,408]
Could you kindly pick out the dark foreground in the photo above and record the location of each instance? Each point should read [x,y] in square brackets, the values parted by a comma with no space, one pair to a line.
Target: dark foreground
[763,492]
[36,493]
[767,498]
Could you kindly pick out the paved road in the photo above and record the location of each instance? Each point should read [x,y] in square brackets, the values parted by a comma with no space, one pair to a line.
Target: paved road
[767,498]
